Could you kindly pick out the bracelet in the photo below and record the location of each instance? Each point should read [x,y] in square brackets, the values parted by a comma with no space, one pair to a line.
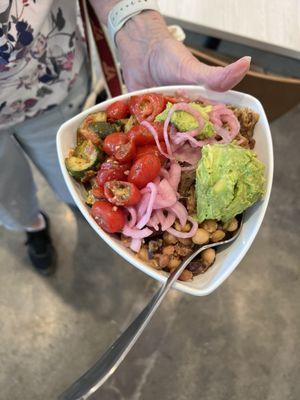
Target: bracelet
[125,10]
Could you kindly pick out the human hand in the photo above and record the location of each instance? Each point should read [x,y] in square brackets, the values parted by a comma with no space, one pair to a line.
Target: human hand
[149,57]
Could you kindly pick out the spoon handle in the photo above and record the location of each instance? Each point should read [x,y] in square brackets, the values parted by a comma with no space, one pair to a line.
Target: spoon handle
[88,383]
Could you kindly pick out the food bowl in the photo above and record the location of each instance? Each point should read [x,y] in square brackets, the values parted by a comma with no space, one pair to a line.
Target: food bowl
[227,258]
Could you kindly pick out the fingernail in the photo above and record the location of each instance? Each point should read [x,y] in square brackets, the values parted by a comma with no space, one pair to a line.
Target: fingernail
[248,58]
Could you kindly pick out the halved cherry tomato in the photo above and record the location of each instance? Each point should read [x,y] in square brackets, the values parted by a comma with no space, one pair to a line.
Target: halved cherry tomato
[112,141]
[108,216]
[142,136]
[98,192]
[147,106]
[152,149]
[144,170]
[125,152]
[117,110]
[112,170]
[122,193]
[120,146]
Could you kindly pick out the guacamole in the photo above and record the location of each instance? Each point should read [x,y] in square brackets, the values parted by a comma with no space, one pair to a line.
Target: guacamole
[184,121]
[229,179]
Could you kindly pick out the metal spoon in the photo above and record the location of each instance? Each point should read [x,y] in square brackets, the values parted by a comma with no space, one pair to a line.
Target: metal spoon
[94,378]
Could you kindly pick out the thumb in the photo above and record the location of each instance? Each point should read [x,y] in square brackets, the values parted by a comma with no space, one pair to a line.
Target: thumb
[221,78]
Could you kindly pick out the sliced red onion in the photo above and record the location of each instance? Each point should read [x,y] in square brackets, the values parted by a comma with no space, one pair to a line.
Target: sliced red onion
[189,109]
[136,233]
[153,221]
[182,107]
[174,175]
[165,221]
[188,154]
[164,173]
[182,137]
[220,115]
[135,245]
[142,205]
[180,211]
[185,235]
[145,218]
[133,216]
[152,130]
[166,195]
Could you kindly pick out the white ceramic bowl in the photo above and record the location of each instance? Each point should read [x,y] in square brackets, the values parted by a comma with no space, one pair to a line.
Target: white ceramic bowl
[227,259]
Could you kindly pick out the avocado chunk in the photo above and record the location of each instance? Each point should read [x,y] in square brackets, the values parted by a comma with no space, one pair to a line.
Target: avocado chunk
[229,179]
[184,121]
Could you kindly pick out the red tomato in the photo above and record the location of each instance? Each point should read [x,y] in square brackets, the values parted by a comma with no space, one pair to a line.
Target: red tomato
[112,170]
[122,193]
[117,110]
[147,106]
[108,216]
[112,141]
[125,152]
[142,136]
[98,192]
[152,149]
[144,170]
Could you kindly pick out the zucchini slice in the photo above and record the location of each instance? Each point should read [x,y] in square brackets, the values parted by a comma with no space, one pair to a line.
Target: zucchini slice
[95,128]
[103,128]
[84,159]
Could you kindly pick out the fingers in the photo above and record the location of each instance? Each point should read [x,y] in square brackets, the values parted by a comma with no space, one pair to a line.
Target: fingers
[222,78]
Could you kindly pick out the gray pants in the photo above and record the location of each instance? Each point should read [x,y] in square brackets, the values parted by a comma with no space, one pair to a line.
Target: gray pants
[34,138]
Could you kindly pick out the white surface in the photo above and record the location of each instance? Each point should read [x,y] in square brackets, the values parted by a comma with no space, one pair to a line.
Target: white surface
[227,259]
[272,25]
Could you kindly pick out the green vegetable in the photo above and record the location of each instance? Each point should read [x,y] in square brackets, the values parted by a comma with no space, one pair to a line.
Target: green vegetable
[99,116]
[229,179]
[83,160]
[130,122]
[184,121]
[103,128]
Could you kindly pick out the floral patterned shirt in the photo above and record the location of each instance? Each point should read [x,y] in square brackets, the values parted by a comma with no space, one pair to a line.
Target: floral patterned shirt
[41,52]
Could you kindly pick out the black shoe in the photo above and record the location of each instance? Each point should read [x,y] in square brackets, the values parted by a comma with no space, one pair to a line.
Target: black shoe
[40,250]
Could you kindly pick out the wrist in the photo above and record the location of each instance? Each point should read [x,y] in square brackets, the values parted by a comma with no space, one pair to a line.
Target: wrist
[102,8]
[148,28]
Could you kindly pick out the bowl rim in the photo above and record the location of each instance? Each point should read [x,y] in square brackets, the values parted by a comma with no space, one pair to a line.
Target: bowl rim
[131,258]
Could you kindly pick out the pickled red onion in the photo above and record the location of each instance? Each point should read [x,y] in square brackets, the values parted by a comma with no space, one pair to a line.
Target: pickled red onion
[145,218]
[136,233]
[133,216]
[165,221]
[142,205]
[166,196]
[135,245]
[182,107]
[187,154]
[174,175]
[219,115]
[155,135]
[153,221]
[180,212]
[185,235]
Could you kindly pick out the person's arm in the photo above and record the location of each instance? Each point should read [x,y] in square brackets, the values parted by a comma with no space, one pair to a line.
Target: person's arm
[150,56]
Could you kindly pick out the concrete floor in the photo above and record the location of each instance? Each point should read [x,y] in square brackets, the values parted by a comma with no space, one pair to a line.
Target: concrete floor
[241,342]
